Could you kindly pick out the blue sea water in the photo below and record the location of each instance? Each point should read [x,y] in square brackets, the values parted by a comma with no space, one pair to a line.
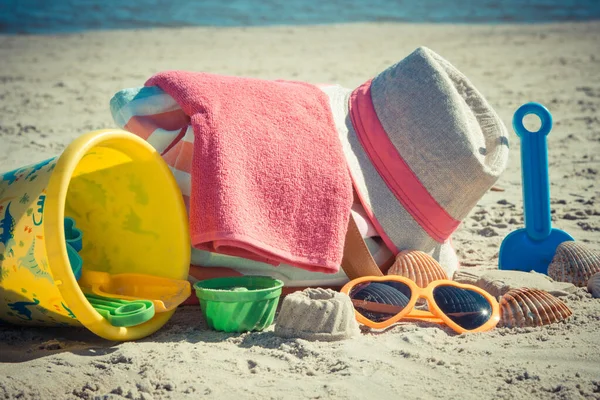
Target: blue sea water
[58,16]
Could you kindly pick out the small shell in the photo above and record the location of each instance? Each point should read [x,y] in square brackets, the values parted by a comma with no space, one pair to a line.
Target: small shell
[593,285]
[574,263]
[531,307]
[417,266]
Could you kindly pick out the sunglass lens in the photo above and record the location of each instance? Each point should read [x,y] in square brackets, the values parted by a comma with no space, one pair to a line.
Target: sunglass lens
[380,301]
[466,308]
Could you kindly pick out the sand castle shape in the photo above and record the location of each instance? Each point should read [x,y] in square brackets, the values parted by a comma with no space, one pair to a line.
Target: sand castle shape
[317,314]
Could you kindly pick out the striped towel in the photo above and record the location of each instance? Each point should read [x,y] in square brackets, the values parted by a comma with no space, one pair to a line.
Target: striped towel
[153,115]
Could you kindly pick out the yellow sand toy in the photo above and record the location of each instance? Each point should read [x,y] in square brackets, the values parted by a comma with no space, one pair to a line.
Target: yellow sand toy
[131,212]
[165,293]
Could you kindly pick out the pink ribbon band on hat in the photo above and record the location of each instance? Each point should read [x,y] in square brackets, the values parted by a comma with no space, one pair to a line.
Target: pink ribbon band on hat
[395,172]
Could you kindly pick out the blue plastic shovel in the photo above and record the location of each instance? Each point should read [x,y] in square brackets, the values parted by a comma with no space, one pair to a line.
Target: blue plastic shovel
[533,247]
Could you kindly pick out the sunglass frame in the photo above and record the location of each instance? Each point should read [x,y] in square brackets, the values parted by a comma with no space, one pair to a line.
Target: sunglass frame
[435,314]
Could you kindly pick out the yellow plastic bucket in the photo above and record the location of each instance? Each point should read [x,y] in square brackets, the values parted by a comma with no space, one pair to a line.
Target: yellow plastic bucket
[126,202]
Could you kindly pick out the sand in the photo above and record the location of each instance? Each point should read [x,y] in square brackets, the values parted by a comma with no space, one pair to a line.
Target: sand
[53,88]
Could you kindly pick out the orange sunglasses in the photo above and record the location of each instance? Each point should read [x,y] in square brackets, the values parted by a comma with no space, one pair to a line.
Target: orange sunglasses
[380,301]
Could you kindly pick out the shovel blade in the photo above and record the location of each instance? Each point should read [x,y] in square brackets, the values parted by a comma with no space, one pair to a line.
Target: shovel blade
[519,252]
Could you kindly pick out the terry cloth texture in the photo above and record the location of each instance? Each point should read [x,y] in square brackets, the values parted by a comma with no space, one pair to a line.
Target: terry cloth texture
[269,178]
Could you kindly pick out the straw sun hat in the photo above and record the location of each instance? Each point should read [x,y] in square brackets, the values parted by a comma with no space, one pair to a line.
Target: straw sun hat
[423,146]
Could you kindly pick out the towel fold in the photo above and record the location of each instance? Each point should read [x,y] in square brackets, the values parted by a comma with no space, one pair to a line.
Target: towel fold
[269,179]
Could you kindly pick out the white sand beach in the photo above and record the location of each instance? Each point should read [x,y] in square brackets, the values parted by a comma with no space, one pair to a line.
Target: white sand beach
[56,87]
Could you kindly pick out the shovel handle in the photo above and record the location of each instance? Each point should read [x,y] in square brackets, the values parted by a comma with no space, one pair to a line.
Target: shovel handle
[534,170]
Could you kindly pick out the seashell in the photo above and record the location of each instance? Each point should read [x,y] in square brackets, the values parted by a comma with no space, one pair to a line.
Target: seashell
[531,307]
[593,285]
[417,266]
[575,263]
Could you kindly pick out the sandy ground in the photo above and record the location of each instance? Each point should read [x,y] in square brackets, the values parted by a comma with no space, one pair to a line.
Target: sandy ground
[53,88]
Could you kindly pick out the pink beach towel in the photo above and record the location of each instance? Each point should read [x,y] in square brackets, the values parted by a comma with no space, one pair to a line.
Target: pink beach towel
[269,178]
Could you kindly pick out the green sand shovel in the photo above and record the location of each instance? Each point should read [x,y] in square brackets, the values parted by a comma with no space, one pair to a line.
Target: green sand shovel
[122,312]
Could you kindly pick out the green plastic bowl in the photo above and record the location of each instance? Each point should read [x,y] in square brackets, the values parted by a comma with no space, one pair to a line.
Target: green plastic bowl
[239,304]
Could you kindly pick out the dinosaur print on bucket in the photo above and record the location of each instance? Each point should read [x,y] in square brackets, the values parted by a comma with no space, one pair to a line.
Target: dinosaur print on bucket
[21,308]
[7,224]
[28,261]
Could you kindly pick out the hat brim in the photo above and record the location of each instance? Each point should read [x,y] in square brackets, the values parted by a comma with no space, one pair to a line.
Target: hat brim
[392,221]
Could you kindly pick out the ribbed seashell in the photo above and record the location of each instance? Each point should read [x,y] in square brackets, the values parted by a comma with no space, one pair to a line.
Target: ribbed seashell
[531,307]
[573,262]
[417,266]
[593,285]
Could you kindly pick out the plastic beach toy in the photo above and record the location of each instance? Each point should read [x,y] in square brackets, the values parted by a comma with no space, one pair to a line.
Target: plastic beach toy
[165,293]
[75,261]
[73,236]
[239,304]
[122,312]
[73,239]
[127,203]
[533,247]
